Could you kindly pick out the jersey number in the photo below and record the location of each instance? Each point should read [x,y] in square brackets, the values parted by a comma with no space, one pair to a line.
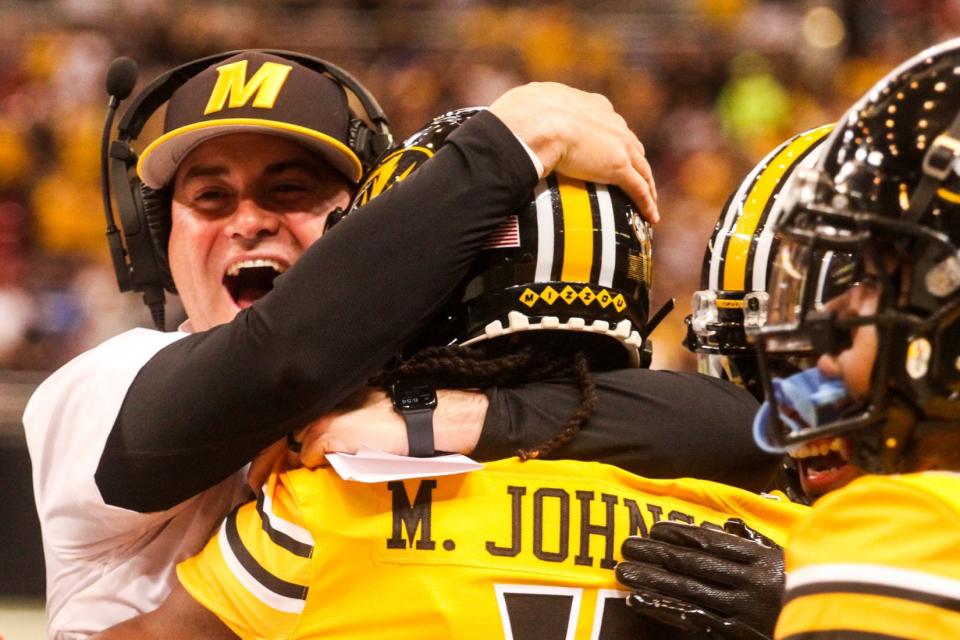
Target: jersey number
[534,612]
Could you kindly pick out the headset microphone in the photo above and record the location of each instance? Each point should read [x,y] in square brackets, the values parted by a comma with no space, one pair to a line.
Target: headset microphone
[121,79]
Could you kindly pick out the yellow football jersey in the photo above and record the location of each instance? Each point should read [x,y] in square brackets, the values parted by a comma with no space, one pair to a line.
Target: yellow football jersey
[516,550]
[879,558]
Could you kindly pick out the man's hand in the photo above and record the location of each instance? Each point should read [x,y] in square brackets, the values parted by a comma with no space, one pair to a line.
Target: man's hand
[368,418]
[726,583]
[579,135]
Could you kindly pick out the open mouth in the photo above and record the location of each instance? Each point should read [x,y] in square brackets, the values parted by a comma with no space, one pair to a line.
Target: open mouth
[249,280]
[824,465]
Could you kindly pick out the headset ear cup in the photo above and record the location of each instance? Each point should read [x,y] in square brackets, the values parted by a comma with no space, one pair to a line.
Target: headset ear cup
[360,138]
[156,213]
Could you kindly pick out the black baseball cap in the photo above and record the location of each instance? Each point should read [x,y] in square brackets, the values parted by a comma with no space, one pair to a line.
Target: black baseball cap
[259,92]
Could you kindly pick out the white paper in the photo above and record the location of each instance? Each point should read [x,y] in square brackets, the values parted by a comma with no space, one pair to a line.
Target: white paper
[373,465]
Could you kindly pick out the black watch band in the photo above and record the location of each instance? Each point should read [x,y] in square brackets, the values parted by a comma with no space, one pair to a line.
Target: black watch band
[416,403]
[419,432]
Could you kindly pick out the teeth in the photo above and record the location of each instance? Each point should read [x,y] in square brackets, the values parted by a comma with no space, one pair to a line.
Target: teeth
[803,451]
[843,448]
[820,448]
[234,269]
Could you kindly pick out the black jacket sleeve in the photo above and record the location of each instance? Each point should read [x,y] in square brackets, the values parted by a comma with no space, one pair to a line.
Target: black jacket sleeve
[658,424]
[205,405]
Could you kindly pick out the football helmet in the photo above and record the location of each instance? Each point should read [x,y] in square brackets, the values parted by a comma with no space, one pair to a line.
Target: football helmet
[732,301]
[576,258]
[885,193]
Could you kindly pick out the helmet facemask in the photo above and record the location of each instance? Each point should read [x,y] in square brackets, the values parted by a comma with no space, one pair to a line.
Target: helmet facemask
[829,255]
[887,191]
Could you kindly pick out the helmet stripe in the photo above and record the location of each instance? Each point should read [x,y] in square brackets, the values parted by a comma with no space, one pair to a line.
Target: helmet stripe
[755,206]
[729,220]
[764,242]
[608,240]
[596,229]
[543,197]
[577,230]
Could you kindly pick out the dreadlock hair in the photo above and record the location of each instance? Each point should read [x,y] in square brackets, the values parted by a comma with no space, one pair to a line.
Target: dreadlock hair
[513,360]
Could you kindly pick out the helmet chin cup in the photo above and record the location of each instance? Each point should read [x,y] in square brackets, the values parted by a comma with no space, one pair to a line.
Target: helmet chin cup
[624,332]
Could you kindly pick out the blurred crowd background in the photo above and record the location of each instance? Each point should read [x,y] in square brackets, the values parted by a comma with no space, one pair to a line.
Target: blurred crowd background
[709,86]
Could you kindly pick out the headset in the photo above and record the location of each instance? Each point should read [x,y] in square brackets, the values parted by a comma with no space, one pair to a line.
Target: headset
[139,248]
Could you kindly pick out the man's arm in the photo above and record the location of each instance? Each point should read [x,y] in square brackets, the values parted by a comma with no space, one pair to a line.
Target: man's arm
[180,616]
[369,418]
[659,424]
[203,406]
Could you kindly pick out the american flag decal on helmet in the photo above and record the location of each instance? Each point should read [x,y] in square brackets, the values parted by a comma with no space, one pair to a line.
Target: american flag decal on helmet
[505,236]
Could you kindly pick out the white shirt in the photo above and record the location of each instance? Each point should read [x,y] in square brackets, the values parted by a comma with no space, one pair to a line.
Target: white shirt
[105,564]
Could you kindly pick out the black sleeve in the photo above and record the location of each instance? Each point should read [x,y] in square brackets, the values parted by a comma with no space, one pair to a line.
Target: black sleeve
[205,405]
[658,424]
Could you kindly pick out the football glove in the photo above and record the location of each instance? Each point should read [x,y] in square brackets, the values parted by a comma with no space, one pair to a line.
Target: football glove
[727,584]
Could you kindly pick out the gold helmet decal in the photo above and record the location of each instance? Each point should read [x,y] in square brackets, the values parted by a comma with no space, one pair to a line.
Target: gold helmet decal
[391,170]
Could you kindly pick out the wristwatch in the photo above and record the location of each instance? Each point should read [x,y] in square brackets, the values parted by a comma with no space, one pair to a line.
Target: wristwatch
[416,401]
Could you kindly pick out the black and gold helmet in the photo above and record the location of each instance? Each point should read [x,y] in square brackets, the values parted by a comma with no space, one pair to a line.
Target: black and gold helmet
[732,301]
[886,191]
[576,258]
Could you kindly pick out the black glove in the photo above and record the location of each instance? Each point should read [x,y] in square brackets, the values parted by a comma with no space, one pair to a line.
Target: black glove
[726,584]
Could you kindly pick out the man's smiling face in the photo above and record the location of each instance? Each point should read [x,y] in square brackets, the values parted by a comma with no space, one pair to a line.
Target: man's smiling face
[245,208]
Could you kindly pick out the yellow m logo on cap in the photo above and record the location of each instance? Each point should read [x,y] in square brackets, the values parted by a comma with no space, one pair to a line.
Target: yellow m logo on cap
[265,85]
